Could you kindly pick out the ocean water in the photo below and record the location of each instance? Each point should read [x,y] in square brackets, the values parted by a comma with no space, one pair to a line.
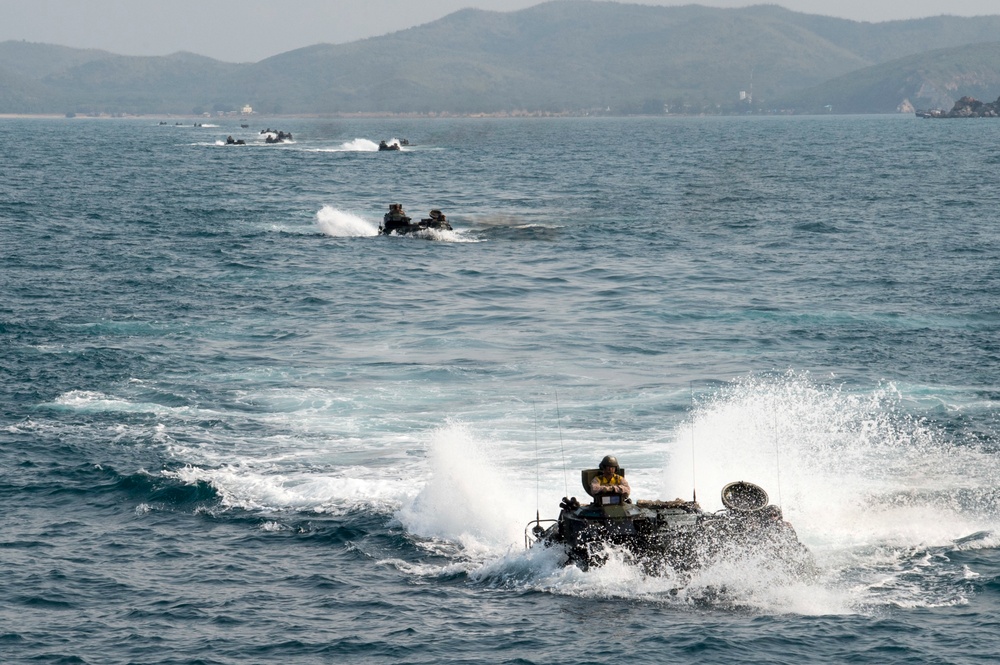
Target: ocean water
[238,426]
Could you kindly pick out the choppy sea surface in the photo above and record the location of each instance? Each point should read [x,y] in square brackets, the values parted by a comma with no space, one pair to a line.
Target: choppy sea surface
[238,426]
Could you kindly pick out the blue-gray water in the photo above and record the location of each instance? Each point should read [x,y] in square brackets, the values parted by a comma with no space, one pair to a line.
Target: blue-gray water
[236,426]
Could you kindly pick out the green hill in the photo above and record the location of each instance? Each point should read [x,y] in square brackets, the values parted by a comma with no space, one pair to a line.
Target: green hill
[565,56]
[562,56]
[935,79]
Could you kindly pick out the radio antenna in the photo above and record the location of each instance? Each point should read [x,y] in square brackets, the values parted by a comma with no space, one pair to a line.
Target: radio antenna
[537,482]
[694,475]
[777,445]
[562,449]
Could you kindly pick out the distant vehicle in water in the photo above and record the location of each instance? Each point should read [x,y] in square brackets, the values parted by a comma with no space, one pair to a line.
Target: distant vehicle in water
[276,136]
[396,221]
[383,146]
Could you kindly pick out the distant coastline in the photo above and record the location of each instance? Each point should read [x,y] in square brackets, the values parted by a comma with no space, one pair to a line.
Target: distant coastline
[597,59]
[415,116]
[371,114]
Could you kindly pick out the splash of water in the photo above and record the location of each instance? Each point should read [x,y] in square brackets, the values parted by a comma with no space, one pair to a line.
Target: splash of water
[849,469]
[342,224]
[358,145]
[467,499]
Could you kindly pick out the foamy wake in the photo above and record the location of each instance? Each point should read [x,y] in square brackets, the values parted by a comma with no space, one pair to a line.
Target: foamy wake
[267,489]
[441,235]
[89,401]
[357,145]
[342,224]
[881,498]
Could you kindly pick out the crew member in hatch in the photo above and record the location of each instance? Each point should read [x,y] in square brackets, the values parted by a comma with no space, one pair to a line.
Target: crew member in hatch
[609,481]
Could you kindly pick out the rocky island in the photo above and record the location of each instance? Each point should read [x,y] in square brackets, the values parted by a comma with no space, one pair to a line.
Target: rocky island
[966,107]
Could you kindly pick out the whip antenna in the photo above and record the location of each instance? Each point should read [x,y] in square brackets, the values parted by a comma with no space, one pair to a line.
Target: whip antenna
[777,446]
[562,450]
[537,501]
[694,475]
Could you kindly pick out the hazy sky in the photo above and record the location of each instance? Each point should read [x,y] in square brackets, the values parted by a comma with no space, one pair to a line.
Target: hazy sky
[251,30]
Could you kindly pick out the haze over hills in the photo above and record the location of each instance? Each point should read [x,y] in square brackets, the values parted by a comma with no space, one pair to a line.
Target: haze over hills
[934,79]
[569,56]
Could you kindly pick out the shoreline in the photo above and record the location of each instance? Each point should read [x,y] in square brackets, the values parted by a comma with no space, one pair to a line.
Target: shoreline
[360,114]
[418,116]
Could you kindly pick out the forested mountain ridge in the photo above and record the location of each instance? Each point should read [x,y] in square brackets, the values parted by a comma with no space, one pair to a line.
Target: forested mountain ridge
[567,56]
